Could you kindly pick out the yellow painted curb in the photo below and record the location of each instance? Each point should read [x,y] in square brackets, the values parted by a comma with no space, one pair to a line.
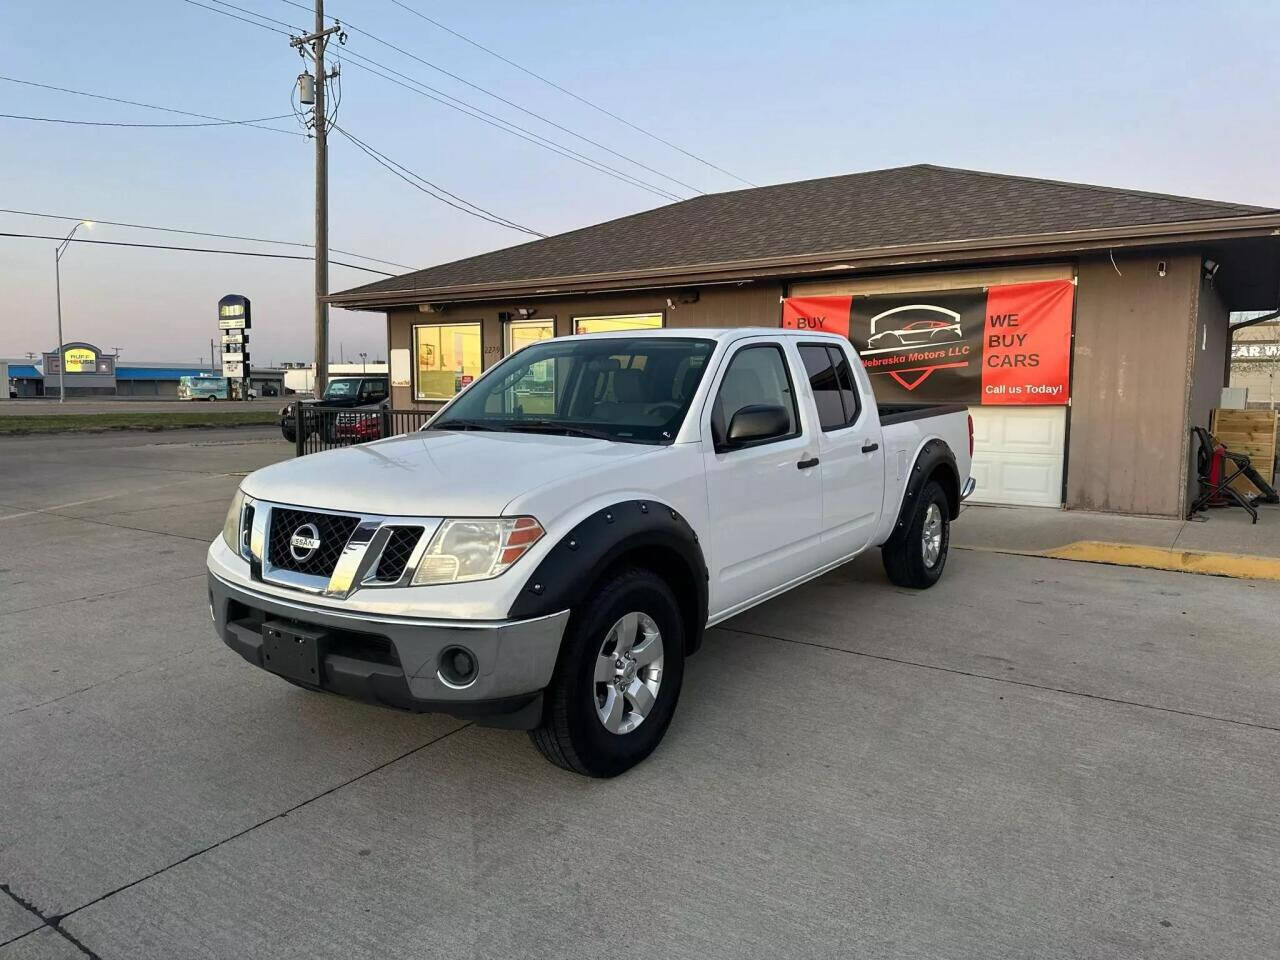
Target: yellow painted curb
[1244,566]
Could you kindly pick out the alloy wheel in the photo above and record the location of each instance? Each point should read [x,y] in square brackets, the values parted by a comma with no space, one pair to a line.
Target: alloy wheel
[628,672]
[931,535]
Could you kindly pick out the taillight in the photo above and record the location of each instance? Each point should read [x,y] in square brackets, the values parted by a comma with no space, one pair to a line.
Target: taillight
[971,436]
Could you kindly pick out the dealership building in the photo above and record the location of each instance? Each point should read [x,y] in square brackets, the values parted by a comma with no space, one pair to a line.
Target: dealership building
[1086,327]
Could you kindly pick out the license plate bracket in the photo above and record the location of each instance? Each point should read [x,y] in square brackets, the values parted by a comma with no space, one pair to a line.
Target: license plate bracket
[293,651]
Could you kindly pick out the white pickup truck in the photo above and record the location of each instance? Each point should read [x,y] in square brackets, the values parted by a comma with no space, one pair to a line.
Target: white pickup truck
[546,552]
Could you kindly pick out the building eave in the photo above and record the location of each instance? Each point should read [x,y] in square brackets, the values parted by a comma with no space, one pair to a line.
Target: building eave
[840,261]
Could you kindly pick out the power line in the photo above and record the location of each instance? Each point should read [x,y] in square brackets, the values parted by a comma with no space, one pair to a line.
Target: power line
[396,168]
[262,16]
[506,126]
[570,93]
[479,114]
[161,246]
[234,17]
[136,103]
[501,99]
[199,233]
[103,123]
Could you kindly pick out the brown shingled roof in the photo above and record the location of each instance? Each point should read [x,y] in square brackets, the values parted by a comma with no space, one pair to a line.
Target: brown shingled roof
[862,211]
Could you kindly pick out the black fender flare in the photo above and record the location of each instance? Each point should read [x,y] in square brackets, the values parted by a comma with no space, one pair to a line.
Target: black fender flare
[935,459]
[644,528]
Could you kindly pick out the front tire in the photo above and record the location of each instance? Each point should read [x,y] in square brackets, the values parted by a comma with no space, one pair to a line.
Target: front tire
[618,678]
[917,551]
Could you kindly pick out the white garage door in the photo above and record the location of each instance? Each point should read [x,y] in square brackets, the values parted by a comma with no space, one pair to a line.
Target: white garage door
[1017,454]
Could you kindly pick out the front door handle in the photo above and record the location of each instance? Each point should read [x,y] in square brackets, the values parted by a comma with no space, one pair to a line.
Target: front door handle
[870,447]
[806,464]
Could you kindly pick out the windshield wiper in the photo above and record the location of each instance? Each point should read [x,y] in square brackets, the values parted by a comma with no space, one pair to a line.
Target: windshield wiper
[556,426]
[458,423]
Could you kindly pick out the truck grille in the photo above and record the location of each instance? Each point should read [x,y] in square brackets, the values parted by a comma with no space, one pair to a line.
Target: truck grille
[334,531]
[396,553]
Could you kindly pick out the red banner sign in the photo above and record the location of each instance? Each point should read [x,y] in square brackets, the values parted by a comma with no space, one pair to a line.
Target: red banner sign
[1009,344]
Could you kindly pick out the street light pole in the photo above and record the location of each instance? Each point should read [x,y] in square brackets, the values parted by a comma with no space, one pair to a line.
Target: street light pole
[57,283]
[62,354]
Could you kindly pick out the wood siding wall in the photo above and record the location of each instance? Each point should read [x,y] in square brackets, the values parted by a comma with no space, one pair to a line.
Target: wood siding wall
[748,305]
[1128,427]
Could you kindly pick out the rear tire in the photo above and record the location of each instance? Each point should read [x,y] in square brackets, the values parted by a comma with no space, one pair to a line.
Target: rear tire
[635,610]
[917,552]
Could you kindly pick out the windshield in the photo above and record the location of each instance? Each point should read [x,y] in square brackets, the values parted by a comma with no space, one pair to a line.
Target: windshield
[633,390]
[341,388]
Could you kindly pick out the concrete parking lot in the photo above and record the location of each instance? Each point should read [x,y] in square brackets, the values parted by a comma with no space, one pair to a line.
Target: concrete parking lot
[1037,758]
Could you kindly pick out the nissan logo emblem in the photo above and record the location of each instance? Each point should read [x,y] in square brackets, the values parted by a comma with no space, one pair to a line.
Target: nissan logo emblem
[304,542]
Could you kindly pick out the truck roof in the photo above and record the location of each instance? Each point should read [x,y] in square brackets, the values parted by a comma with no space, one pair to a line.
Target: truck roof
[705,333]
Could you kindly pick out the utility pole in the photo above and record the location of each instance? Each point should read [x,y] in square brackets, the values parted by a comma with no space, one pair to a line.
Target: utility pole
[213,370]
[315,43]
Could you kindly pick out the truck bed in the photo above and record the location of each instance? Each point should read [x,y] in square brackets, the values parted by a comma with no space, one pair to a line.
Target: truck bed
[903,412]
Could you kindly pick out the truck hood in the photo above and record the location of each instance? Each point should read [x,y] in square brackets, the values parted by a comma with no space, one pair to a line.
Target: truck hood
[436,473]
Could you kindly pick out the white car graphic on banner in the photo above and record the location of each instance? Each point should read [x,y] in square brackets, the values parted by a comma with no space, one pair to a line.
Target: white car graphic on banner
[915,325]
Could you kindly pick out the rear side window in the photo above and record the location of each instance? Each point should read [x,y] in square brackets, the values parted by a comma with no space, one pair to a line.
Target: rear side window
[819,365]
[848,393]
[831,381]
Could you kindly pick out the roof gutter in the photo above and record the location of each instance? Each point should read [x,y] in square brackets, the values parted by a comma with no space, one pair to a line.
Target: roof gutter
[1260,225]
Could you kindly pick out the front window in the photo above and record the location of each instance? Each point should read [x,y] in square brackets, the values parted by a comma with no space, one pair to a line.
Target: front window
[757,375]
[448,357]
[613,324]
[631,390]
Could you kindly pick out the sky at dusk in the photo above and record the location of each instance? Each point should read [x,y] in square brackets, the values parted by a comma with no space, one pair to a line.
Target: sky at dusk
[1171,97]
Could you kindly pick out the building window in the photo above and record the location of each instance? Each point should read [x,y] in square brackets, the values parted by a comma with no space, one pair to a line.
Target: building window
[626,321]
[447,358]
[521,333]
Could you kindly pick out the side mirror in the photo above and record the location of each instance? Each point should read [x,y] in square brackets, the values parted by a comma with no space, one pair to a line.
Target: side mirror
[757,421]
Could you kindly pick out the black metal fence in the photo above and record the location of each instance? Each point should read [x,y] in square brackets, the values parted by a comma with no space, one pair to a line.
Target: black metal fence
[312,427]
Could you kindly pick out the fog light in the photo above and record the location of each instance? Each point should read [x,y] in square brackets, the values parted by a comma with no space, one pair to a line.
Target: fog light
[458,667]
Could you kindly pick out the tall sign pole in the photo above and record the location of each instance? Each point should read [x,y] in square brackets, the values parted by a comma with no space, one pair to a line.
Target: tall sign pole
[315,43]
[235,318]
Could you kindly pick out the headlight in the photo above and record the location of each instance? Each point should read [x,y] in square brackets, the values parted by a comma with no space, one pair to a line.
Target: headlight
[235,529]
[476,549]
[231,526]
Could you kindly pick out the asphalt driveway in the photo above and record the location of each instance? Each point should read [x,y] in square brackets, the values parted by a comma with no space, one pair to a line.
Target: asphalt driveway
[1037,758]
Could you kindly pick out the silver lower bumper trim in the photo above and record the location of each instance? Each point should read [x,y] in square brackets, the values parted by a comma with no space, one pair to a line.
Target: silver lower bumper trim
[969,486]
[514,656]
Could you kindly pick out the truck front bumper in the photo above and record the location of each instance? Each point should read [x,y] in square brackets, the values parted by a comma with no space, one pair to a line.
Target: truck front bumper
[396,661]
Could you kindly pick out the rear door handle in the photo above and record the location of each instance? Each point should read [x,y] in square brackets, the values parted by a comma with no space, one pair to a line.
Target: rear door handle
[806,464]
[870,447]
